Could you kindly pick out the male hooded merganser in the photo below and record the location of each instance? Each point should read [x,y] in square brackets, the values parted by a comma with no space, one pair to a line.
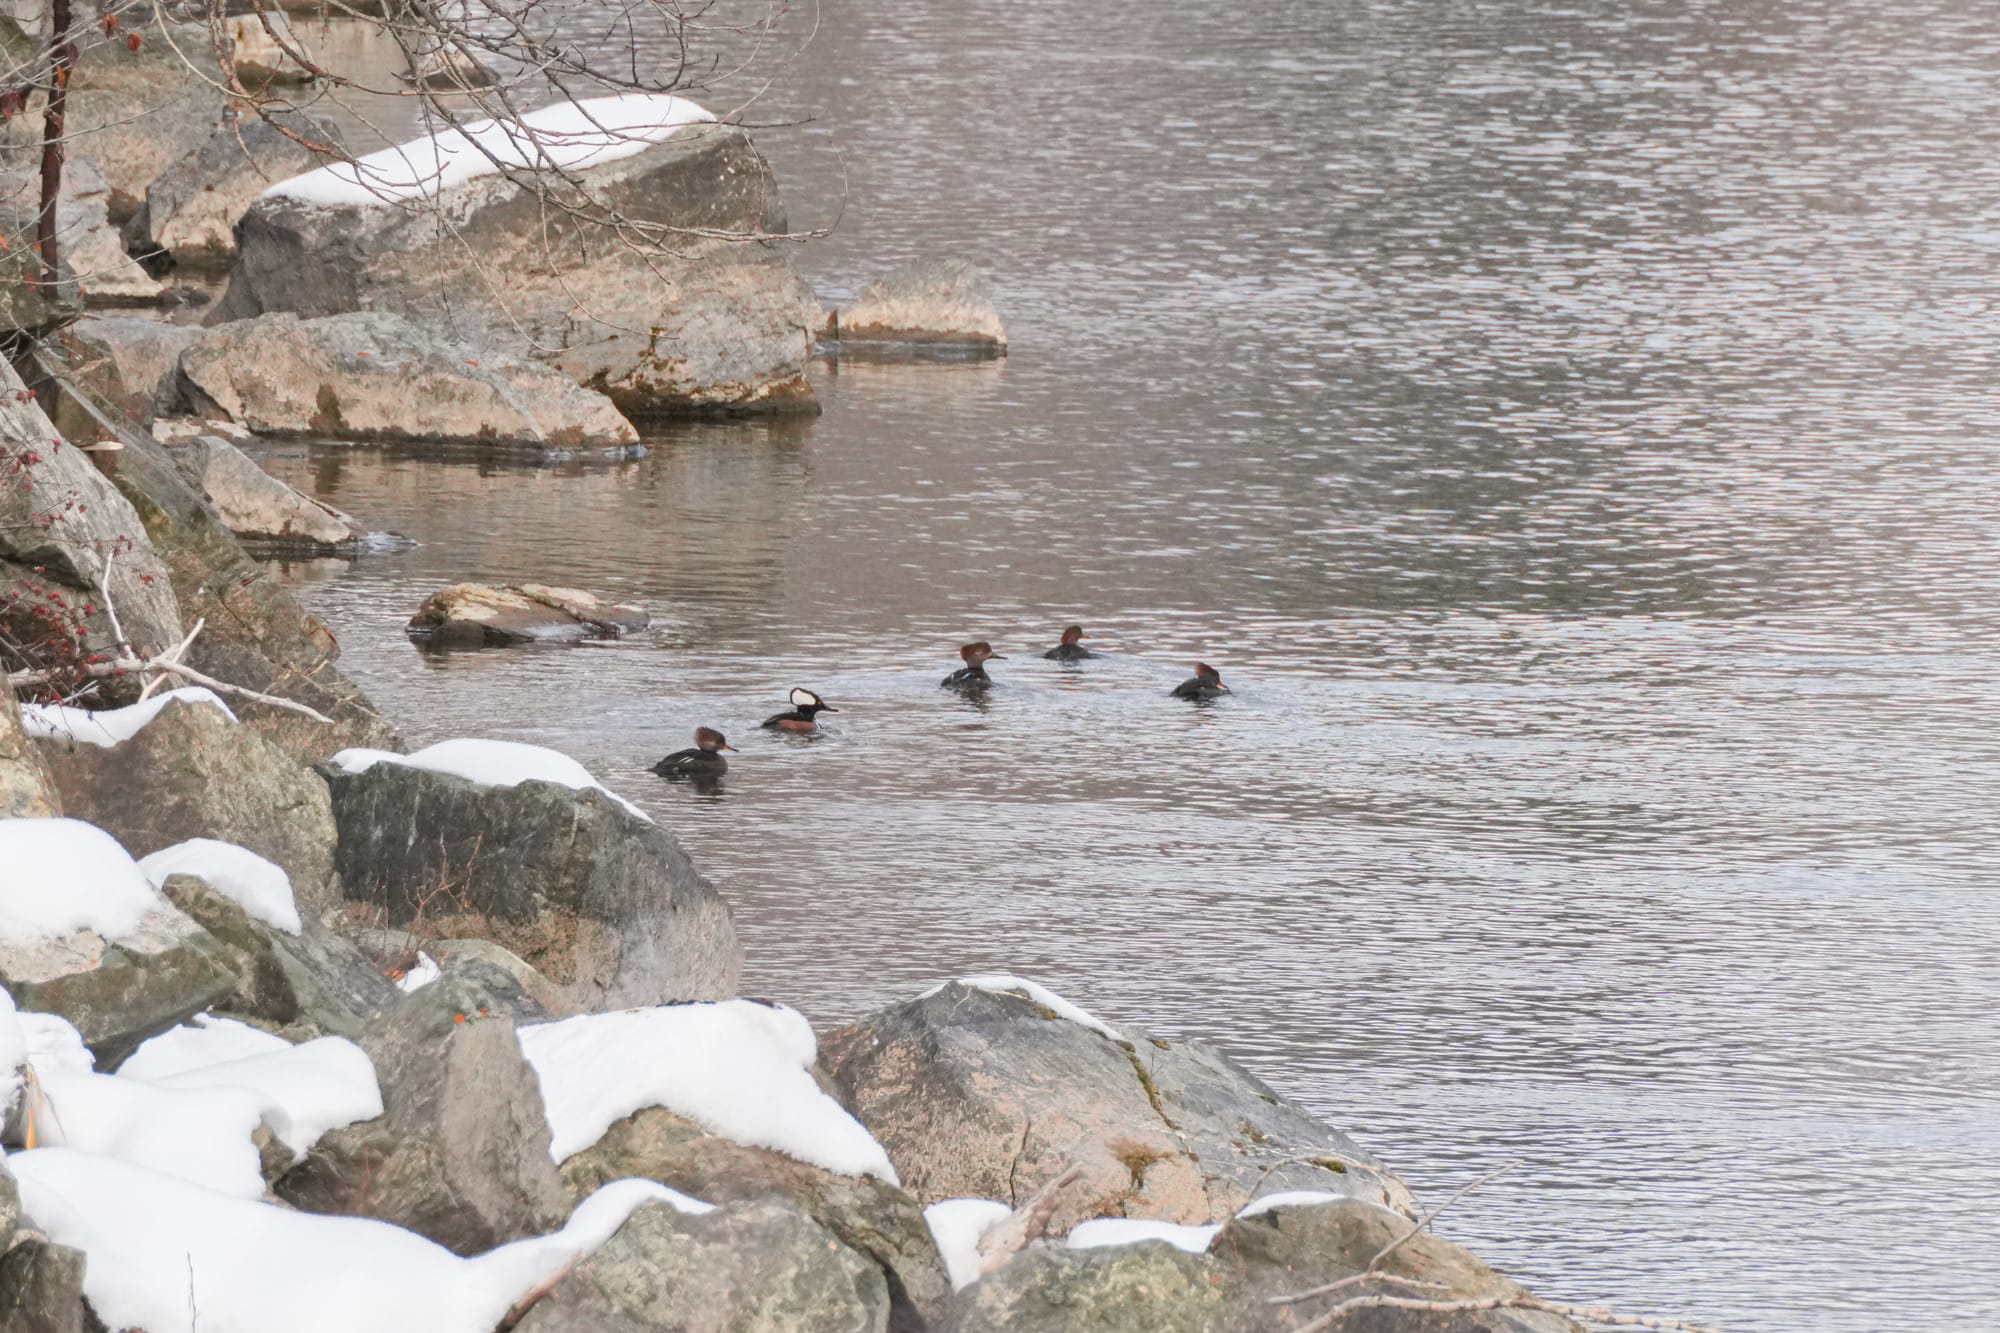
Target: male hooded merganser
[1205,684]
[972,676]
[700,762]
[804,704]
[1069,650]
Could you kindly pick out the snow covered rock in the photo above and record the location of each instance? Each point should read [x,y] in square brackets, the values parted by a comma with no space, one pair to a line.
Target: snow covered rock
[755,1267]
[473,615]
[992,1089]
[930,306]
[41,1290]
[587,890]
[85,936]
[1284,1250]
[374,375]
[461,1151]
[194,772]
[311,977]
[1150,1288]
[713,325]
[259,508]
[57,531]
[130,363]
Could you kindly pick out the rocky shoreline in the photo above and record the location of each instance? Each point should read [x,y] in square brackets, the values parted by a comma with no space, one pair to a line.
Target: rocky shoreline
[301,1029]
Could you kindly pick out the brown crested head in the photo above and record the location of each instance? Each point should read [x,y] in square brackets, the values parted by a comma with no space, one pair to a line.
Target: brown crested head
[711,740]
[1072,634]
[1208,675]
[975,653]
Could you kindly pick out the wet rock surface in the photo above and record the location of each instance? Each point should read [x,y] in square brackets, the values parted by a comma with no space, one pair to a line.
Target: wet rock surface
[604,903]
[362,376]
[473,615]
[931,308]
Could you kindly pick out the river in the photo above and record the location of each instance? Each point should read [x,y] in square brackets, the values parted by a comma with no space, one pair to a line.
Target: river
[1570,428]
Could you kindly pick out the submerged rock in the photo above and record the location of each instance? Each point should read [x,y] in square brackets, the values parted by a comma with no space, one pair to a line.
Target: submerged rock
[377,376]
[872,1217]
[601,901]
[684,318]
[259,508]
[929,307]
[193,773]
[756,1267]
[473,615]
[461,1151]
[982,1094]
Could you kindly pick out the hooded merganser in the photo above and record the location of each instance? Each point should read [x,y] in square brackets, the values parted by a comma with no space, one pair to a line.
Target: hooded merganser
[1069,650]
[804,704]
[700,762]
[1206,683]
[972,676]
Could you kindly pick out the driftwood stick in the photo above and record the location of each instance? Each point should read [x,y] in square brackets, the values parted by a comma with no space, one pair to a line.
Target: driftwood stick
[1029,1221]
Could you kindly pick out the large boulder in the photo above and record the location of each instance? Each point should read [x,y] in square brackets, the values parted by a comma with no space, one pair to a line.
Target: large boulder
[315,980]
[869,1215]
[473,615]
[698,314]
[193,773]
[1292,1249]
[128,362]
[980,1092]
[88,242]
[1145,1288]
[139,110]
[762,1267]
[255,632]
[118,992]
[41,1290]
[461,1150]
[597,898]
[934,307]
[67,538]
[193,206]
[373,375]
[264,512]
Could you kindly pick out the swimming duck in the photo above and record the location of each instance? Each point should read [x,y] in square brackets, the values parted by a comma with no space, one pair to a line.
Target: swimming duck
[702,761]
[1205,683]
[1069,650]
[972,676]
[804,705]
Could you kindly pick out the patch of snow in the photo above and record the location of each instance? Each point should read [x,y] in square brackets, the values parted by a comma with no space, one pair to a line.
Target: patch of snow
[168,1257]
[1002,983]
[107,728]
[13,1051]
[1131,1230]
[201,1135]
[301,1091]
[259,887]
[54,1045]
[568,136]
[1289,1199]
[737,1068]
[957,1226]
[423,974]
[64,875]
[490,764]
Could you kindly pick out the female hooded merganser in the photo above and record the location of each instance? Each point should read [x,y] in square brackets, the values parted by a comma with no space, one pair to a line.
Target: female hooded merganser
[700,762]
[804,704]
[972,676]
[1205,684]
[1069,650]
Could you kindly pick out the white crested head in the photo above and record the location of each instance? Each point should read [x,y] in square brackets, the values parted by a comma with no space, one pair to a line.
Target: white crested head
[802,698]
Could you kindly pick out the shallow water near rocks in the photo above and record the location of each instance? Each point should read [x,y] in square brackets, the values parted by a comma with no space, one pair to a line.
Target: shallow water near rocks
[1569,429]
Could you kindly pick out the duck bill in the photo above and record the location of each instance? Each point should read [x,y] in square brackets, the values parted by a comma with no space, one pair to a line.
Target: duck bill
[828,708]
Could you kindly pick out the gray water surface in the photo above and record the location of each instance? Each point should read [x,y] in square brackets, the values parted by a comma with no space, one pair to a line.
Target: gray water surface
[1571,430]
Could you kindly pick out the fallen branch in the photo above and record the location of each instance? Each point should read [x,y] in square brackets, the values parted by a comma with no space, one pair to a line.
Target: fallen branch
[538,1293]
[166,664]
[172,655]
[1382,1255]
[1027,1224]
